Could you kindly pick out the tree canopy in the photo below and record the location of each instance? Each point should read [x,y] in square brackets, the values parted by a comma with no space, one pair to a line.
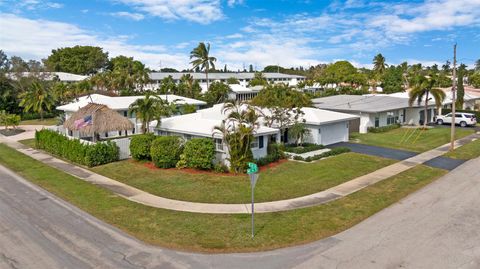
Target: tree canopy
[279,95]
[83,60]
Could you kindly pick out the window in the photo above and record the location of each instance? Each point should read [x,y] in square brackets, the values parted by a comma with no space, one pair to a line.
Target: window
[125,113]
[391,119]
[260,141]
[218,144]
[458,115]
[377,122]
[254,144]
[187,137]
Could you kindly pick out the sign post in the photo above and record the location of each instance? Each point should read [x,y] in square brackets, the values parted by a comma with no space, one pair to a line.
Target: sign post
[252,171]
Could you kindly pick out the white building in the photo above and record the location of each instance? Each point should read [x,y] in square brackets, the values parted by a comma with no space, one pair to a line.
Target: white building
[376,110]
[50,76]
[121,105]
[326,127]
[243,78]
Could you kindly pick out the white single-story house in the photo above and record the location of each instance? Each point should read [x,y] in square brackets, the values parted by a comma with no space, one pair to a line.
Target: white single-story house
[326,127]
[121,105]
[243,78]
[49,76]
[376,110]
[470,98]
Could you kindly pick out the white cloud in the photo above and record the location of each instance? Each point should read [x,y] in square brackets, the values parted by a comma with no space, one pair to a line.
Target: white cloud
[22,5]
[128,15]
[34,39]
[200,11]
[232,3]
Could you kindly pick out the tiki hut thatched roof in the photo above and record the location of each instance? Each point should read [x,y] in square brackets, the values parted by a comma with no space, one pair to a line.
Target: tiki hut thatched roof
[103,120]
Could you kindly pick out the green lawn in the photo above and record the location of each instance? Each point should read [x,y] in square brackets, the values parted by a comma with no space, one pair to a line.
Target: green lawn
[466,152]
[406,139]
[48,121]
[28,142]
[220,233]
[287,180]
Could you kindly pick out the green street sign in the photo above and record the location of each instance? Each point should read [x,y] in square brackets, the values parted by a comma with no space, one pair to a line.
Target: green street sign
[252,168]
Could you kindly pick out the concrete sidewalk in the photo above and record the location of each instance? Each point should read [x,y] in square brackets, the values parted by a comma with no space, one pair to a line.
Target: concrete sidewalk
[142,197]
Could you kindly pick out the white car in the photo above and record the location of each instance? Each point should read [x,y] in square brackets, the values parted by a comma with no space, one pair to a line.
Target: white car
[461,118]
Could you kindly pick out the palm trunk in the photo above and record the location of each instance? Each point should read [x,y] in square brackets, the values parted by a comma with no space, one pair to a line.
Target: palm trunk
[206,75]
[425,114]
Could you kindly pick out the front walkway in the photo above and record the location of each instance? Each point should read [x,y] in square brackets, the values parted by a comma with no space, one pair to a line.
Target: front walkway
[139,196]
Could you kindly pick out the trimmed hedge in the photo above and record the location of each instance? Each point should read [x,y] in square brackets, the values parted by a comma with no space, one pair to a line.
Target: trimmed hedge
[383,129]
[333,152]
[303,148]
[76,151]
[140,146]
[199,153]
[275,153]
[165,151]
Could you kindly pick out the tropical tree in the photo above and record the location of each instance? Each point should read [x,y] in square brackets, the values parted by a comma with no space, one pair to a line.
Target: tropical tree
[299,131]
[201,59]
[238,131]
[422,90]
[258,80]
[477,66]
[38,98]
[188,87]
[379,64]
[83,60]
[217,93]
[167,85]
[460,89]
[145,109]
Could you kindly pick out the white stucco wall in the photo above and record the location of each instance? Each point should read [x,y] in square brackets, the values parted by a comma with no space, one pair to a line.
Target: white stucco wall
[327,134]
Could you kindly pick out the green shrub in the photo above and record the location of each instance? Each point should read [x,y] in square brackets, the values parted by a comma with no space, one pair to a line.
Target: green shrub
[166,150]
[76,151]
[220,168]
[332,152]
[303,148]
[276,150]
[140,146]
[199,153]
[383,128]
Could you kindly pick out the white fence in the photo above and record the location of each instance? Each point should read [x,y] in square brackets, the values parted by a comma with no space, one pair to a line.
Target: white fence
[123,145]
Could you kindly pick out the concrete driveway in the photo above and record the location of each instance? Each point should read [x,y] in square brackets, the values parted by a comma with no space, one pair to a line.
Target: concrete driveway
[397,154]
[436,227]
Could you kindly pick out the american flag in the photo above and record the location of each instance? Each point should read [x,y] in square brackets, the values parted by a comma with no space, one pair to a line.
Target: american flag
[87,120]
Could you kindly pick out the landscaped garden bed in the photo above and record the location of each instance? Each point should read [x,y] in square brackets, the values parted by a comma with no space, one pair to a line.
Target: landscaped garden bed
[220,233]
[10,132]
[302,148]
[411,139]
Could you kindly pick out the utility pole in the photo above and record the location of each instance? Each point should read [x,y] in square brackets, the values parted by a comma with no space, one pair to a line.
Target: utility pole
[454,89]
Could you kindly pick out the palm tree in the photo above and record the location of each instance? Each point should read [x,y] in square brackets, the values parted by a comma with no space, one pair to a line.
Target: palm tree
[202,59]
[145,109]
[37,98]
[379,64]
[422,90]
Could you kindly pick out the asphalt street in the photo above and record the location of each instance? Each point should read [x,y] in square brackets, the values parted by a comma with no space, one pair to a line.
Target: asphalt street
[436,227]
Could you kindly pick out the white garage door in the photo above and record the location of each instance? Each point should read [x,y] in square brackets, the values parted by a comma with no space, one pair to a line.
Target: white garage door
[333,133]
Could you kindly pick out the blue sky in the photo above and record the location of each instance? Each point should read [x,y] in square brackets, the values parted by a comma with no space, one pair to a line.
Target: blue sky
[243,32]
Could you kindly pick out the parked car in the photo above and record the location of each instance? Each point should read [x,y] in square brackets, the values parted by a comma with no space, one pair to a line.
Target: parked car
[461,118]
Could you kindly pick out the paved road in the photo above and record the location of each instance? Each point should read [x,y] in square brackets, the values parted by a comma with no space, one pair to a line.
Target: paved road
[436,227]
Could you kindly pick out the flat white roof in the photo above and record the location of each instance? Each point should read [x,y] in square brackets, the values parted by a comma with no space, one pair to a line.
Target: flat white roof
[62,76]
[218,76]
[203,122]
[122,102]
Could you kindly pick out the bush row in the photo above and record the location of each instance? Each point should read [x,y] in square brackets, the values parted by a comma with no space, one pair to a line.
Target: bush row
[172,151]
[76,151]
[303,148]
[383,128]
[334,151]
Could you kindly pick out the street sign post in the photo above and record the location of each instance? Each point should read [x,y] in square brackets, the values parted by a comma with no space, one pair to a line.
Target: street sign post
[252,171]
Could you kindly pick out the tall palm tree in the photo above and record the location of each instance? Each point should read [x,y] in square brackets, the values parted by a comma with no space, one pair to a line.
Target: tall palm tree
[379,64]
[37,98]
[145,109]
[202,59]
[422,90]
